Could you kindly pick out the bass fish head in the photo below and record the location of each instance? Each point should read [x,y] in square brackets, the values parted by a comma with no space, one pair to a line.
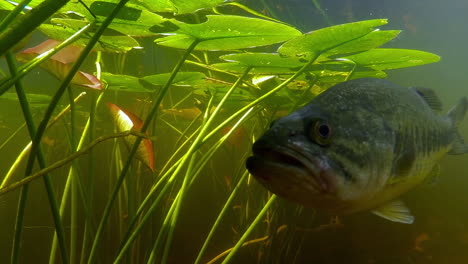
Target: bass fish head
[322,157]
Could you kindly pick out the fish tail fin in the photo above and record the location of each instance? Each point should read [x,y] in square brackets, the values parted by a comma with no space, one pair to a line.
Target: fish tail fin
[456,114]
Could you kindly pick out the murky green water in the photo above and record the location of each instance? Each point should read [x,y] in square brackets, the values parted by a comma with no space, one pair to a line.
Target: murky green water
[190,180]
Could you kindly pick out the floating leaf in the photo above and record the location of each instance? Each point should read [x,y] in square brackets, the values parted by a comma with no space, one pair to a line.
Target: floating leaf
[184,6]
[181,79]
[265,63]
[240,67]
[370,41]
[125,121]
[384,59]
[123,83]
[132,20]
[60,63]
[110,41]
[312,44]
[179,6]
[274,60]
[228,32]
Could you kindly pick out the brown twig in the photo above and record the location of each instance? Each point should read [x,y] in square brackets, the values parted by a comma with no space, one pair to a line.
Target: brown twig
[229,250]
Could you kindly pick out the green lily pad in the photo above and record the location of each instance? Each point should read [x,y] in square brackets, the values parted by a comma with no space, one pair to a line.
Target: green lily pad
[180,6]
[310,45]
[110,41]
[123,83]
[273,60]
[160,6]
[370,41]
[238,67]
[181,79]
[228,32]
[132,20]
[384,59]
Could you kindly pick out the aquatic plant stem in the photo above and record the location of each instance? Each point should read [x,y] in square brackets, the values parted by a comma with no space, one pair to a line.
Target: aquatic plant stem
[63,162]
[133,150]
[24,192]
[66,81]
[220,216]
[13,14]
[72,174]
[16,31]
[249,230]
[26,149]
[194,146]
[322,12]
[261,98]
[6,83]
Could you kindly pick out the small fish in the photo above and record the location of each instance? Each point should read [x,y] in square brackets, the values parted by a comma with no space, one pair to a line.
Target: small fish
[125,120]
[358,146]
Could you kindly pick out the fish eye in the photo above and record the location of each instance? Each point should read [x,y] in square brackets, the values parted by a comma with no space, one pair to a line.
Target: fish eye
[321,132]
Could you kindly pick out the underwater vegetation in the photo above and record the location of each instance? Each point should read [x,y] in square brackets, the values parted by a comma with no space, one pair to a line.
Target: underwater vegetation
[133,121]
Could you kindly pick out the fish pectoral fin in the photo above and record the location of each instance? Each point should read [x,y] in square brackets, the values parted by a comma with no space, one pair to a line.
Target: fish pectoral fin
[395,211]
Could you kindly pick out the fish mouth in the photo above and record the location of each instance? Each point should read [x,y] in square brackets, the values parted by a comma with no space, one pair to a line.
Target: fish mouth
[266,158]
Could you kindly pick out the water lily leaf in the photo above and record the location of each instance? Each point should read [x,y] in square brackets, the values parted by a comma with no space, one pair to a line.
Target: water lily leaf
[125,121]
[238,67]
[384,59]
[132,20]
[110,41]
[159,6]
[179,6]
[181,79]
[228,32]
[370,41]
[184,6]
[273,60]
[329,76]
[125,83]
[314,43]
[60,63]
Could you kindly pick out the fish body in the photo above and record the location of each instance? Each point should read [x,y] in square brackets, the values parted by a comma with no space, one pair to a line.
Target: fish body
[358,146]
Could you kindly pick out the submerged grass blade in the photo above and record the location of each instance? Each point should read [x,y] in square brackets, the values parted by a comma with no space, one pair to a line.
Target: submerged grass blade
[132,153]
[29,22]
[249,230]
[220,216]
[26,68]
[24,193]
[25,151]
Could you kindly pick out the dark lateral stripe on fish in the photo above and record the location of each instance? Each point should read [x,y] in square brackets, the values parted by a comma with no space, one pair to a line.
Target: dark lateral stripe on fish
[416,142]
[404,154]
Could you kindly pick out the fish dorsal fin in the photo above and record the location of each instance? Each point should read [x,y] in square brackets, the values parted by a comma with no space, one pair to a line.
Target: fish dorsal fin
[430,97]
[395,211]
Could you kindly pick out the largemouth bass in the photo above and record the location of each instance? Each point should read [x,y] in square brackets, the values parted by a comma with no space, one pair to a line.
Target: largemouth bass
[358,146]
